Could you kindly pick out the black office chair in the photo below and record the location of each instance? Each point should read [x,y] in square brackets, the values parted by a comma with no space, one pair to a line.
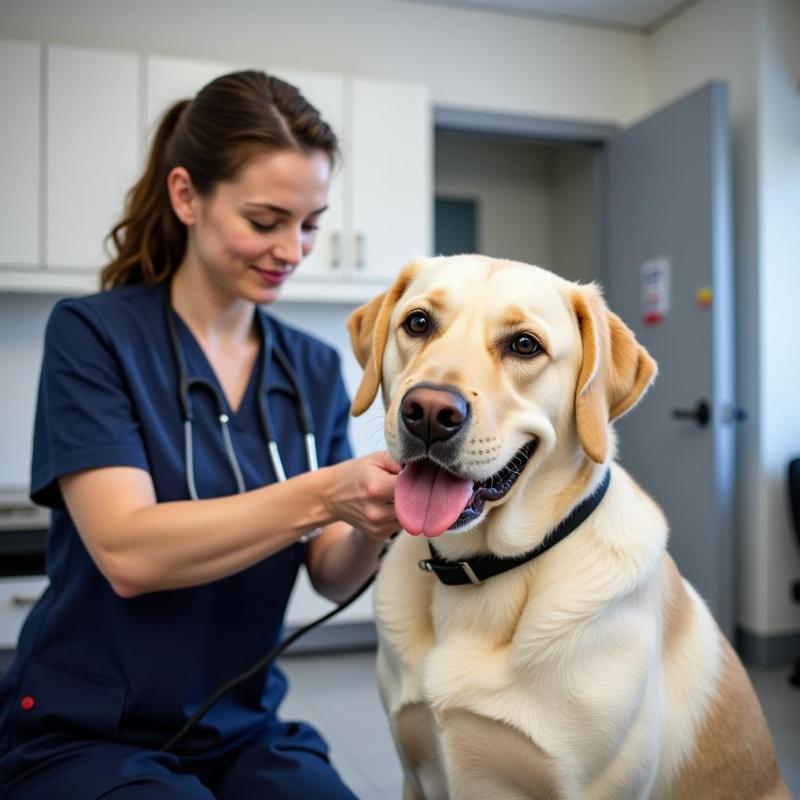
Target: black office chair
[794,499]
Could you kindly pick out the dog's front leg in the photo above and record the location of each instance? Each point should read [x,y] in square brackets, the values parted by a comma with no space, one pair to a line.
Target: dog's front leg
[402,601]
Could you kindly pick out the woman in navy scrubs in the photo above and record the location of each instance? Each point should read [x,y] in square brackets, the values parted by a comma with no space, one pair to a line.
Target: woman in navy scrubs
[156,599]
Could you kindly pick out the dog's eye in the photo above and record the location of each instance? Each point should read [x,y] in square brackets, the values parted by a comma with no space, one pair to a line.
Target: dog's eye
[526,345]
[417,323]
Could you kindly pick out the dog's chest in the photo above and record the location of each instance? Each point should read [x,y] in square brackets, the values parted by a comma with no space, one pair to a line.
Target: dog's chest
[445,662]
[488,613]
[427,627]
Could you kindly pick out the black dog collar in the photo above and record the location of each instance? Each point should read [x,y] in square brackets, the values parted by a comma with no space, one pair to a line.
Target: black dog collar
[476,570]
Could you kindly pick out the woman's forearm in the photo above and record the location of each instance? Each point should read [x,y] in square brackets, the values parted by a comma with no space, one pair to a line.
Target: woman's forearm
[337,568]
[193,542]
[146,546]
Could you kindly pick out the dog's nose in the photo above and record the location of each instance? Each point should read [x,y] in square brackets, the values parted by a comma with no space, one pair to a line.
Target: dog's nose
[433,413]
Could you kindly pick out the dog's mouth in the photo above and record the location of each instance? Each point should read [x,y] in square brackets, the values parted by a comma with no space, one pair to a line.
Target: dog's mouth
[430,500]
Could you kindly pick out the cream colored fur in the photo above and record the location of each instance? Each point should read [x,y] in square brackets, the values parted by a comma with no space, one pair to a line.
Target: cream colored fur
[593,671]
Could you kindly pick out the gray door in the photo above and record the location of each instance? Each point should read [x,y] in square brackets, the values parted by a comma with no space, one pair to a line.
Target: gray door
[669,276]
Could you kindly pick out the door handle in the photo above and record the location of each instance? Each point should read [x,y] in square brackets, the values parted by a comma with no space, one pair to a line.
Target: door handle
[701,413]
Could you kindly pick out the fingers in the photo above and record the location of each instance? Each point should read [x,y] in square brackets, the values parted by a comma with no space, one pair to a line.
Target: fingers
[363,494]
[378,521]
[386,462]
[379,477]
[380,531]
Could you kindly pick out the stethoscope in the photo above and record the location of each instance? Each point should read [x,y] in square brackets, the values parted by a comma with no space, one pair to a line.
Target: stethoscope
[186,383]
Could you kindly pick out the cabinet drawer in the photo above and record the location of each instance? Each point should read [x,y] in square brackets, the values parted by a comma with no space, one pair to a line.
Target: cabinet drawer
[17,597]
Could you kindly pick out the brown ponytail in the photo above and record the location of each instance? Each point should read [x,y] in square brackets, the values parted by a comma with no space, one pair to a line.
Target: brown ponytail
[230,120]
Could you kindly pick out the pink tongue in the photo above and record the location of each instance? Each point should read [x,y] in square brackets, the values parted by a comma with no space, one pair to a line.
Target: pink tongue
[429,500]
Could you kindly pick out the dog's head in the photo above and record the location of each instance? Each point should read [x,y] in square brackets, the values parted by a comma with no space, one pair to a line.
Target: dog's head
[491,372]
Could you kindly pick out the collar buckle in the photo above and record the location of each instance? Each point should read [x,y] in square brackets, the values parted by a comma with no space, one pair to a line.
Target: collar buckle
[448,569]
[469,572]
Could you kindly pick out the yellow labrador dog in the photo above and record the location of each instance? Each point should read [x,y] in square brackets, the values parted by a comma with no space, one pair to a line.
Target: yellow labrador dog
[537,641]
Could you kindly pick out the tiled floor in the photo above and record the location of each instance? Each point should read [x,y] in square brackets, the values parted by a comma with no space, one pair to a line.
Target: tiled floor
[338,694]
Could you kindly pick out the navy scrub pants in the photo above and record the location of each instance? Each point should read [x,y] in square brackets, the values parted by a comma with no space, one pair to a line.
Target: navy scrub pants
[290,766]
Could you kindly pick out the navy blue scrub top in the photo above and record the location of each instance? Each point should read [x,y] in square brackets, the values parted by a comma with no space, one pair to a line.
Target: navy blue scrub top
[98,666]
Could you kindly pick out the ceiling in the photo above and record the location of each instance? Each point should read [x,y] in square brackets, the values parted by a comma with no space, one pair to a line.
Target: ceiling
[643,16]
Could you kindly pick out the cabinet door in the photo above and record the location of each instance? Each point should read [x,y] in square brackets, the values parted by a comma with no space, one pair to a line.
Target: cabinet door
[326,94]
[173,79]
[92,136]
[391,177]
[19,154]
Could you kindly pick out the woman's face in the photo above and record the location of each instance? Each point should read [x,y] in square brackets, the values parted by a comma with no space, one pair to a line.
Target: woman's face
[250,233]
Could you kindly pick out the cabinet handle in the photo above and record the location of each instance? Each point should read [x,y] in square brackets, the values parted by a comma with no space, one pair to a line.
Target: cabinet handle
[336,251]
[24,600]
[361,247]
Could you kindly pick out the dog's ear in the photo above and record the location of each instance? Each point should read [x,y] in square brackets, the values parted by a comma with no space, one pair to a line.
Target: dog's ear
[615,373]
[369,330]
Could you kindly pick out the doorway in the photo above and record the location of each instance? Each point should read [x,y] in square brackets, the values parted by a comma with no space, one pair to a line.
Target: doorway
[516,198]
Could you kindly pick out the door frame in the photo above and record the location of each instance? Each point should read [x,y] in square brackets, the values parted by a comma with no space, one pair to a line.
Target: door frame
[522,126]
[531,128]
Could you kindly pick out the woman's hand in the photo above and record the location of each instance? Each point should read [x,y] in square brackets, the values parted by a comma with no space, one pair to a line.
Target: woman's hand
[359,495]
[362,494]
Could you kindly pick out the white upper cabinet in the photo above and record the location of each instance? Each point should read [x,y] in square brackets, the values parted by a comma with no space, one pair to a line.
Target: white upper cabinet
[173,79]
[19,154]
[392,192]
[92,136]
[326,94]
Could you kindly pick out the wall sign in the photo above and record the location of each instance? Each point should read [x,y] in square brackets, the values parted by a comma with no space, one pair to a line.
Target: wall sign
[655,290]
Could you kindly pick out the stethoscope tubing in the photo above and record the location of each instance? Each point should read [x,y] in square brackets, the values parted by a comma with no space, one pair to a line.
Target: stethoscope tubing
[261,664]
[187,383]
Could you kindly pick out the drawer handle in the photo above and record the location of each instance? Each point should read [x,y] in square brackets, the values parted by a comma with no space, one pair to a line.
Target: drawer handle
[24,600]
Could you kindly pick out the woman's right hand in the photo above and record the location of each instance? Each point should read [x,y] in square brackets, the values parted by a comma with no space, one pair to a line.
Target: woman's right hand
[362,494]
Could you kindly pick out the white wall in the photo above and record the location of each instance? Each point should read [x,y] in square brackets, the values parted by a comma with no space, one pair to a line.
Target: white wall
[469,59]
[753,46]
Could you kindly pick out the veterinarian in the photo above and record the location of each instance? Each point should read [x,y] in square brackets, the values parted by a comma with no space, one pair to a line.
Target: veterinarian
[169,405]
